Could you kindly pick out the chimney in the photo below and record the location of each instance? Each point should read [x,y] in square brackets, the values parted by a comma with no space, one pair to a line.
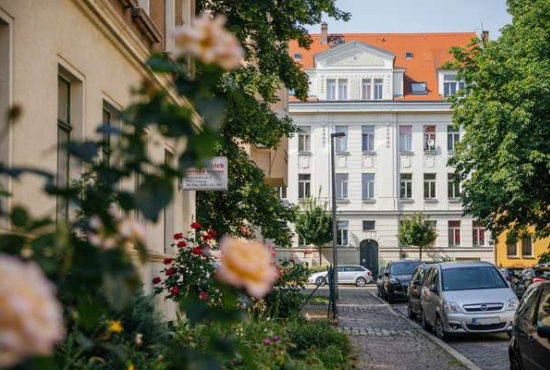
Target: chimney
[324,33]
[485,36]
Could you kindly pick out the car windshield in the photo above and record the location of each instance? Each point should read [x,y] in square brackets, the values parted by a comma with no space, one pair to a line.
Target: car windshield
[542,273]
[404,268]
[470,278]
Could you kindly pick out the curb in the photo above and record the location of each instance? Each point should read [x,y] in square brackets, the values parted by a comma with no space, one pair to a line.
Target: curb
[450,350]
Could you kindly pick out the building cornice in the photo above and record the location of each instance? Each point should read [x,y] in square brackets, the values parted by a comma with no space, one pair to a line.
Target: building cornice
[368,106]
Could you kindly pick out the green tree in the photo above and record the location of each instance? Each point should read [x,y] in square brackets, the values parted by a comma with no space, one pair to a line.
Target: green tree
[314,224]
[504,158]
[264,29]
[417,231]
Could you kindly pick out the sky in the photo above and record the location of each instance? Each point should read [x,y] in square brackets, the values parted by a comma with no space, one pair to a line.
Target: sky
[420,16]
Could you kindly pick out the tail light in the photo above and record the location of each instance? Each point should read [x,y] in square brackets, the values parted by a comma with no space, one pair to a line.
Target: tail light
[538,280]
[369,273]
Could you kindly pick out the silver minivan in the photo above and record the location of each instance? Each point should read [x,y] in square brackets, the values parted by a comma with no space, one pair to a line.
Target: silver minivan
[466,297]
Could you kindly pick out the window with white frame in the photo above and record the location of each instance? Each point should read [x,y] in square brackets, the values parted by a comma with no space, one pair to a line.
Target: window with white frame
[453,186]
[304,185]
[512,248]
[342,236]
[281,191]
[341,186]
[301,241]
[418,88]
[429,186]
[453,137]
[405,186]
[64,129]
[405,138]
[331,89]
[429,138]
[368,186]
[527,246]
[304,139]
[451,85]
[366,87]
[454,233]
[368,138]
[341,142]
[478,234]
[343,89]
[378,89]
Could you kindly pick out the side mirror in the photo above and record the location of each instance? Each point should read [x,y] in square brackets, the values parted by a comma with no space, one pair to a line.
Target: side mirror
[386,274]
[417,283]
[544,331]
[433,288]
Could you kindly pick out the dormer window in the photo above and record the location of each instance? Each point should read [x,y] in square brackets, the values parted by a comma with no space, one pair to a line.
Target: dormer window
[297,56]
[451,85]
[408,55]
[418,88]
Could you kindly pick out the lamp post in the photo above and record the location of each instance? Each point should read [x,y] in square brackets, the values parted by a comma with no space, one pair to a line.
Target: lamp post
[334,223]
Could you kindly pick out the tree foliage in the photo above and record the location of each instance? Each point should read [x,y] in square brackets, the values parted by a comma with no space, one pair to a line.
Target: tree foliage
[417,231]
[503,160]
[314,224]
[264,28]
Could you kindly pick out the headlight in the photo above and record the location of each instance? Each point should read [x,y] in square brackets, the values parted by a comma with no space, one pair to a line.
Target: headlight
[512,304]
[394,281]
[451,307]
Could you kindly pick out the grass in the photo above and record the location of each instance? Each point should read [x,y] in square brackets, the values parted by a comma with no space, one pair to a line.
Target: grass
[318,300]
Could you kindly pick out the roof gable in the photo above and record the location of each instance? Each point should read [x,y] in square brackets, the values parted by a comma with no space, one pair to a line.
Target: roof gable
[354,54]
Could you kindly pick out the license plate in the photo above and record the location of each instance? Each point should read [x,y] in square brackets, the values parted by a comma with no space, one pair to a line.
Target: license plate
[486,321]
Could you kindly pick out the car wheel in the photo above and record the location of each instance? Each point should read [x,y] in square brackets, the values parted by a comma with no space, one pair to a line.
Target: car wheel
[410,312]
[425,324]
[320,281]
[360,282]
[439,330]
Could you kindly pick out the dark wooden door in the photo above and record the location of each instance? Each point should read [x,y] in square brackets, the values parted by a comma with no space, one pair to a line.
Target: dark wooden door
[368,255]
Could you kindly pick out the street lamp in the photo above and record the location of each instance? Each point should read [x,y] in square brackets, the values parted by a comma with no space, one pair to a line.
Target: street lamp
[334,224]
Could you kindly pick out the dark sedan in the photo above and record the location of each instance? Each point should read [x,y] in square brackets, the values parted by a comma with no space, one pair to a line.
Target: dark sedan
[529,276]
[530,345]
[396,279]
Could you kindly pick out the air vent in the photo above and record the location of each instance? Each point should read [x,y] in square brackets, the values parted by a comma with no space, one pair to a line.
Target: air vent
[408,55]
[297,56]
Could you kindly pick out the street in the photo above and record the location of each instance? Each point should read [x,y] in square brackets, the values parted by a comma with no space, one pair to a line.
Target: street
[385,338]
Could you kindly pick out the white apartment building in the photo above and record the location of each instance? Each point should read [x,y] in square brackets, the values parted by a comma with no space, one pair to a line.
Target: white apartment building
[387,93]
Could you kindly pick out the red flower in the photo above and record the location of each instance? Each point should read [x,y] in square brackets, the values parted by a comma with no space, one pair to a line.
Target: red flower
[175,290]
[156,280]
[212,234]
[178,236]
[167,261]
[196,225]
[203,296]
[197,251]
[182,244]
[170,271]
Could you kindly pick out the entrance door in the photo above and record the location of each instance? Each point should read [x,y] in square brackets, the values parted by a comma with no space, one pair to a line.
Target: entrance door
[368,255]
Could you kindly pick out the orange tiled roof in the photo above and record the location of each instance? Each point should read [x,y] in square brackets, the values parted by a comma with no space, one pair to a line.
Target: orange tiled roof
[429,50]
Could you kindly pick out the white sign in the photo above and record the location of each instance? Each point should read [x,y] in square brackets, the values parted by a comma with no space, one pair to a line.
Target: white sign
[212,177]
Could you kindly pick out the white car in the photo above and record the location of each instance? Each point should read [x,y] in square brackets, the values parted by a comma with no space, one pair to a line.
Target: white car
[347,274]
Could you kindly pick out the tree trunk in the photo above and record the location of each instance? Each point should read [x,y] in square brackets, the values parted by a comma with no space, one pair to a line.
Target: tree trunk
[420,248]
[320,256]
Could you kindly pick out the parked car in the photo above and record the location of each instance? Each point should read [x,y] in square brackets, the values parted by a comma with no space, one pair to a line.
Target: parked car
[529,276]
[347,274]
[414,308]
[510,273]
[396,279]
[530,344]
[380,280]
[466,297]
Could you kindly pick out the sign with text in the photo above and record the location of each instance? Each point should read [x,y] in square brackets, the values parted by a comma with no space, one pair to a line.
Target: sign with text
[212,177]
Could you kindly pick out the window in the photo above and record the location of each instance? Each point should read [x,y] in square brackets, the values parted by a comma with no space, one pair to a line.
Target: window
[378,89]
[331,89]
[342,89]
[366,87]
[368,186]
[281,191]
[543,316]
[405,138]
[418,88]
[454,233]
[106,147]
[408,55]
[342,142]
[429,186]
[512,248]
[405,186]
[526,247]
[451,85]
[369,225]
[368,138]
[453,137]
[526,309]
[478,234]
[64,129]
[342,234]
[297,56]
[304,186]
[453,186]
[341,186]
[429,138]
[304,139]
[301,241]
[168,212]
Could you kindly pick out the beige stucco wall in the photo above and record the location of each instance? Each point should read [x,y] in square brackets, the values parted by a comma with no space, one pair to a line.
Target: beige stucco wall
[47,35]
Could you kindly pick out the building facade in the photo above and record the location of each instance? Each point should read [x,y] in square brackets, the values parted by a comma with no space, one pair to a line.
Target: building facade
[71,65]
[519,252]
[388,94]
